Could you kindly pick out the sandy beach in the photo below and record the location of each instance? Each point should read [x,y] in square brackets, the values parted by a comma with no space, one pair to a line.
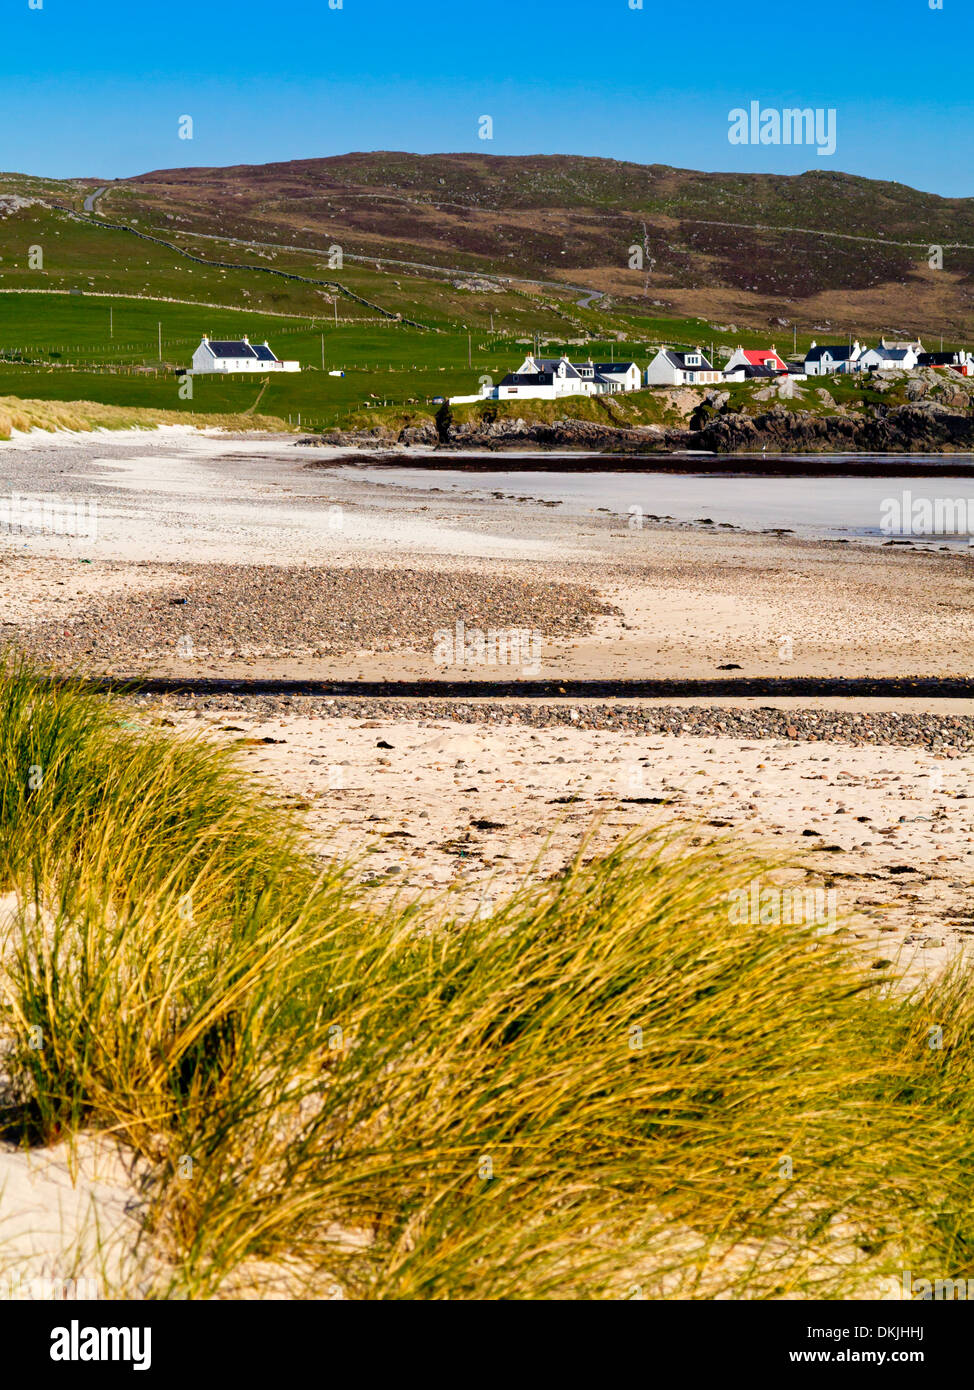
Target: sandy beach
[217,560]
[148,588]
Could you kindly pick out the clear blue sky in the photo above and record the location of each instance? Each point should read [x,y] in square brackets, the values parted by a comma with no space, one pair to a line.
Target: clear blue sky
[96,87]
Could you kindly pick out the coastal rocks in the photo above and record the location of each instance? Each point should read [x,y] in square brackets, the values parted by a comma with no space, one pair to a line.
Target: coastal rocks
[424,434]
[488,434]
[903,429]
[916,427]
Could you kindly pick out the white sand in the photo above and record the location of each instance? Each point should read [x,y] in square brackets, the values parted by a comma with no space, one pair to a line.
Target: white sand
[407,808]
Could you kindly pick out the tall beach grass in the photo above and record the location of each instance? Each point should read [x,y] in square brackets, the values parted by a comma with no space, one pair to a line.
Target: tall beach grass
[84,416]
[603,1090]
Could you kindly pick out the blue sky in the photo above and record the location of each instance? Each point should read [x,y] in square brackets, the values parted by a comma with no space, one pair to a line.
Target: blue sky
[97,87]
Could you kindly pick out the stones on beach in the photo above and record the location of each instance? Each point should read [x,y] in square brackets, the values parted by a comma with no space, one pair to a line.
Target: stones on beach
[271,611]
[942,735]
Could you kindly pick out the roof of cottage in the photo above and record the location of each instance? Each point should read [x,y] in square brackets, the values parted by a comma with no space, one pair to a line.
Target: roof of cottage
[528,379]
[758,356]
[679,360]
[887,354]
[225,347]
[840,352]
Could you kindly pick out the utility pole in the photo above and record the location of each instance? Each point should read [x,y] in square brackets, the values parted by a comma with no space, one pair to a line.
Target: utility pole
[111,321]
[469,350]
[160,340]
[322,352]
[796,339]
[336,308]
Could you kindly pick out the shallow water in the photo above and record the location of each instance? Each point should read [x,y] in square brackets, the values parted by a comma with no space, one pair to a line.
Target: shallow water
[845,507]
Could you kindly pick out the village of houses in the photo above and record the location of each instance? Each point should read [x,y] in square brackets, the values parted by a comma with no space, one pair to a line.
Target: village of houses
[540,378]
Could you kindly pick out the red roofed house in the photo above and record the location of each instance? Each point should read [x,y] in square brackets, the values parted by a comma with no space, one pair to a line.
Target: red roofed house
[756,357]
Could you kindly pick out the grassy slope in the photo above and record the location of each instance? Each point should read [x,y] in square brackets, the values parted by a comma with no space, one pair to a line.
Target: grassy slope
[384,361]
[610,1084]
[576,219]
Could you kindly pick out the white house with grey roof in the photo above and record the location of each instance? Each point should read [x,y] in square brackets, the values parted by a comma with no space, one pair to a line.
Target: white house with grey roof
[541,379]
[238,355]
[548,379]
[830,359]
[888,359]
[670,368]
[608,377]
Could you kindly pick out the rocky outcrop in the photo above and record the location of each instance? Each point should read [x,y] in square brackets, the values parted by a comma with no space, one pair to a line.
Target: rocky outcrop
[920,426]
[903,429]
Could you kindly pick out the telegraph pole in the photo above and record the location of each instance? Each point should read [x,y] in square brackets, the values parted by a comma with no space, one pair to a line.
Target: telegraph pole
[322,352]
[160,340]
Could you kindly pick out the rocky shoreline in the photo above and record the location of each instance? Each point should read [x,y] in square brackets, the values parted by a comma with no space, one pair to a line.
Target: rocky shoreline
[919,427]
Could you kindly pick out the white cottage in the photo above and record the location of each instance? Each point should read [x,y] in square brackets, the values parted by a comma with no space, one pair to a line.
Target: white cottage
[608,377]
[670,368]
[238,355]
[888,359]
[539,379]
[823,360]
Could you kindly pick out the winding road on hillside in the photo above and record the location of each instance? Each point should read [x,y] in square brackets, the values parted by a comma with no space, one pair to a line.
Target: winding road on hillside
[92,198]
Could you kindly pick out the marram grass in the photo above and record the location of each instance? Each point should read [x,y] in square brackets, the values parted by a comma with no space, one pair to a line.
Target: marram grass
[604,1090]
[84,416]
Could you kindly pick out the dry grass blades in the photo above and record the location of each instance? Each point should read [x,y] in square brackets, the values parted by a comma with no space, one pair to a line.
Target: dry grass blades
[604,1090]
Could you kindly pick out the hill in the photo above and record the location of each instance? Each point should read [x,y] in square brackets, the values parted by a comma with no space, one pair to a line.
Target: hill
[825,248]
[449,266]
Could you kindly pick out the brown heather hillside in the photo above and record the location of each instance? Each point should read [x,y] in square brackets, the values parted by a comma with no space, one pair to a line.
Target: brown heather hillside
[827,249]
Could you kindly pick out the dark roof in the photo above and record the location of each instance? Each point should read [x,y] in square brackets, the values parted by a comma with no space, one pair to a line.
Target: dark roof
[550,365]
[840,353]
[939,359]
[264,353]
[230,349]
[679,360]
[613,366]
[528,379]
[751,371]
[891,354]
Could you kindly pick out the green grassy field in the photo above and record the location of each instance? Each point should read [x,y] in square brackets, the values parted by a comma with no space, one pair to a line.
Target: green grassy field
[76,326]
[71,343]
[114,291]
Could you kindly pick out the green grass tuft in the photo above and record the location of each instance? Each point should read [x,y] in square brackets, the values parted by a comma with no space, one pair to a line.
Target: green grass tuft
[592,1093]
